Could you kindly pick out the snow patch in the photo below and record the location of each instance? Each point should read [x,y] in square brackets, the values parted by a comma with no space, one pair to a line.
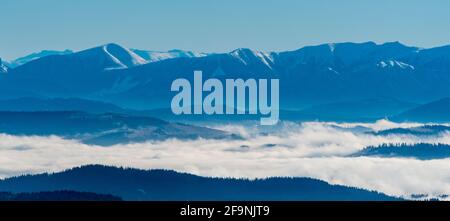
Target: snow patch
[332,46]
[154,56]
[247,55]
[334,71]
[395,63]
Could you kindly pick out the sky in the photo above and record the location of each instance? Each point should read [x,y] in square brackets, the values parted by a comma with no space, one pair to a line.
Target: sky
[216,25]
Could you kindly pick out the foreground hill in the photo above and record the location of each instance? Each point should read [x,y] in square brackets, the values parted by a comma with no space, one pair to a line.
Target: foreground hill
[57,196]
[134,184]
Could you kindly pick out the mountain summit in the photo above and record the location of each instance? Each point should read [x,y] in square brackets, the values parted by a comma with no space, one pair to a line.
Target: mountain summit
[112,56]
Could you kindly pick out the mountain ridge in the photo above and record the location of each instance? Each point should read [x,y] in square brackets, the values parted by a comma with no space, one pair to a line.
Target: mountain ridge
[311,75]
[138,184]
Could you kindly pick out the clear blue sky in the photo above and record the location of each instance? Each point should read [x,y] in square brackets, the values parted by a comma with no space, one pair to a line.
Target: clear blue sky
[217,25]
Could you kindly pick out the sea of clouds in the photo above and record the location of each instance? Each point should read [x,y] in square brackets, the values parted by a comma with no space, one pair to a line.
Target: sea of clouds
[314,149]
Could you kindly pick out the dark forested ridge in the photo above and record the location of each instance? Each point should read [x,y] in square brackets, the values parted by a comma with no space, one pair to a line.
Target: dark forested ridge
[422,151]
[63,195]
[425,130]
[135,184]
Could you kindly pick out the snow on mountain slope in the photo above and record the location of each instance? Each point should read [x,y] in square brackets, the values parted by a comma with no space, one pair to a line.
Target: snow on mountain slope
[248,56]
[112,56]
[3,67]
[25,59]
[153,56]
[394,63]
[311,75]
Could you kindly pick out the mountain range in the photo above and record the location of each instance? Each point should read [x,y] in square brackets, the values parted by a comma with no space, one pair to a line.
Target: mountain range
[33,56]
[147,55]
[341,73]
[163,185]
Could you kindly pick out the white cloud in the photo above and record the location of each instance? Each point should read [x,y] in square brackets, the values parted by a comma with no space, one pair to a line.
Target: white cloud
[311,149]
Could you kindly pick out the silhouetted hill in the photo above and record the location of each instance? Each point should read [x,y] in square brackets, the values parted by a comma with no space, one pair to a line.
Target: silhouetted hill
[134,184]
[422,151]
[64,195]
[426,130]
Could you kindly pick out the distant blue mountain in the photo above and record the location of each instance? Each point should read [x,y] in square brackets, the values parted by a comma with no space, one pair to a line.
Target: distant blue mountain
[436,111]
[102,129]
[374,108]
[148,56]
[313,75]
[360,111]
[28,104]
[25,59]
[134,184]
[422,151]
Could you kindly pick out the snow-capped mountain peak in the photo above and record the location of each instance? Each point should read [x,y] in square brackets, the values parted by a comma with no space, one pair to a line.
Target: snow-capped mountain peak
[123,57]
[112,56]
[154,56]
[31,57]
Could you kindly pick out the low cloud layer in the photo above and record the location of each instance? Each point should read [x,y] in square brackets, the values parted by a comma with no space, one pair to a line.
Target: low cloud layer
[313,149]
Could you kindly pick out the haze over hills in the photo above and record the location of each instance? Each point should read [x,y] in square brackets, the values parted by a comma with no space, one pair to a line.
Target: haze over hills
[435,111]
[31,104]
[313,75]
[102,129]
[374,108]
